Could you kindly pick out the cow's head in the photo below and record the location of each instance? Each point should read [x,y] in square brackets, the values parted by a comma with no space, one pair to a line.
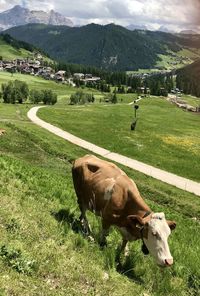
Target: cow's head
[155,230]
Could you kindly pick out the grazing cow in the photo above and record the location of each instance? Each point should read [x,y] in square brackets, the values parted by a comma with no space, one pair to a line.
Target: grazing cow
[106,190]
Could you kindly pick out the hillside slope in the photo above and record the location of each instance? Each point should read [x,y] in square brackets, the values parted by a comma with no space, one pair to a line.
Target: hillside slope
[42,251]
[11,49]
[188,79]
[109,46]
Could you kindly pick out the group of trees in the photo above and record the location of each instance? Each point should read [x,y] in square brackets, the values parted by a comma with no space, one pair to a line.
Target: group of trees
[160,84]
[13,92]
[48,97]
[81,98]
[109,77]
[111,98]
[17,92]
[188,79]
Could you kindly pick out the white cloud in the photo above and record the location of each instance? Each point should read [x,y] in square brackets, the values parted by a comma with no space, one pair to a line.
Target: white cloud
[175,14]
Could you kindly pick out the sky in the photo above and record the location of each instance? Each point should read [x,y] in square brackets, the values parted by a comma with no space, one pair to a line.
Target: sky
[174,15]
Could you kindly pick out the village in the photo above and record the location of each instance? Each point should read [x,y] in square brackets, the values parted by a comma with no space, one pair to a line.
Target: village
[37,67]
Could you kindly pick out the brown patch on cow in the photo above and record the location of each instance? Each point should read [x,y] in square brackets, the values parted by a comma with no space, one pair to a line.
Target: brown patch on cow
[2,131]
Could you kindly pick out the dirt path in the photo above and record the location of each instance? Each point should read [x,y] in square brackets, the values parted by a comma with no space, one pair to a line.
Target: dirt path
[169,178]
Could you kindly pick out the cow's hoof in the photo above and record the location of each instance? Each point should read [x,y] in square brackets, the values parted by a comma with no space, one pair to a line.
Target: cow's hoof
[90,239]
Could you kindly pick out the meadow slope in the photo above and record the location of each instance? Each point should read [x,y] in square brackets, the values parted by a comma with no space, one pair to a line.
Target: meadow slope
[165,136]
[41,250]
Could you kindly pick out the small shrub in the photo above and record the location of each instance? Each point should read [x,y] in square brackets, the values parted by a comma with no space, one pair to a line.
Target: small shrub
[12,226]
[17,260]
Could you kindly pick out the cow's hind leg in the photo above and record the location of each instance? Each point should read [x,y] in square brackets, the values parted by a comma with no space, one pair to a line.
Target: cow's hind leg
[84,222]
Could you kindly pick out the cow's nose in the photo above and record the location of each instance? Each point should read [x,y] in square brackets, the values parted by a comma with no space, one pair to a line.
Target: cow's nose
[168,262]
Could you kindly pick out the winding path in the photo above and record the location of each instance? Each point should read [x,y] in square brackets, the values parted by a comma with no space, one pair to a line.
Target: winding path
[169,178]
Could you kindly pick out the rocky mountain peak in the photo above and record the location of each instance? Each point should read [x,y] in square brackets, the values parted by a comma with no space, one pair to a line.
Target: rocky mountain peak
[19,15]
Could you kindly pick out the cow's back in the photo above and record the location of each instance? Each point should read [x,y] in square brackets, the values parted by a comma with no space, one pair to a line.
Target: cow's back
[101,186]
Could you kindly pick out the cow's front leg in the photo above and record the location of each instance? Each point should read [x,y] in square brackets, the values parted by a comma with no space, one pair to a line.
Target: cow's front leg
[122,248]
[104,234]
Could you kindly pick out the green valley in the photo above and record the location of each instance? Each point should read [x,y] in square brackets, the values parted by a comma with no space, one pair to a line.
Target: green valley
[111,46]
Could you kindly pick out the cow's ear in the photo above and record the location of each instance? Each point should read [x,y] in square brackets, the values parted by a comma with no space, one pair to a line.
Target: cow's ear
[136,221]
[171,224]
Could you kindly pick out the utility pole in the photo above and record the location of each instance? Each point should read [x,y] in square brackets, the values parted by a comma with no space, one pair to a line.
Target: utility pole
[133,124]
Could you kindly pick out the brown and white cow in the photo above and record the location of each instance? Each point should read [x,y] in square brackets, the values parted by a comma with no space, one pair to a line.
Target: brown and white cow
[104,189]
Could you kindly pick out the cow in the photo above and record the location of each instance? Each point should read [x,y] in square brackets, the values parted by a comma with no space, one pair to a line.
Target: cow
[103,188]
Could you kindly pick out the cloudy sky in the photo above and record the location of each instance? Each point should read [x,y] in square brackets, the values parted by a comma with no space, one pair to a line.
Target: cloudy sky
[172,14]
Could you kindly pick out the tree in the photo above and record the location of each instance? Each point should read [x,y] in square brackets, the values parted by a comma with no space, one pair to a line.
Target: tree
[114,98]
[7,92]
[21,91]
[49,98]
[16,91]
[36,96]
[81,98]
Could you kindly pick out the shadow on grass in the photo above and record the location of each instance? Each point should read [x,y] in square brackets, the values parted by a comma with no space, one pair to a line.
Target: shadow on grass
[64,216]
[194,284]
[126,268]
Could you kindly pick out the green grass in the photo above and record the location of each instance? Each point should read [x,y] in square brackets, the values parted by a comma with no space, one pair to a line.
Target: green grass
[41,252]
[165,136]
[10,53]
[36,82]
[172,60]
[191,100]
[63,91]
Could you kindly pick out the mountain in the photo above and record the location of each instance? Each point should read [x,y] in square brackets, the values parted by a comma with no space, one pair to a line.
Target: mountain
[112,47]
[165,29]
[188,79]
[136,27]
[19,15]
[188,32]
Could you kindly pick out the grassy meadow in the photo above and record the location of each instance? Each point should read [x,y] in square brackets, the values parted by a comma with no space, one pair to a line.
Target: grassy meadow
[42,250]
[63,91]
[10,53]
[191,100]
[37,83]
[172,61]
[165,136]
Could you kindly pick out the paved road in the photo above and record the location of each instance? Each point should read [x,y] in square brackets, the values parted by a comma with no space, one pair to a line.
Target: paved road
[179,182]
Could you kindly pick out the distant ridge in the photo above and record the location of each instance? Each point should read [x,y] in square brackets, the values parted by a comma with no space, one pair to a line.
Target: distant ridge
[19,15]
[110,46]
[189,32]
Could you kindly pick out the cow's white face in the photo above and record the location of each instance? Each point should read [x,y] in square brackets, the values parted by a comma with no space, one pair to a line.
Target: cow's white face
[156,240]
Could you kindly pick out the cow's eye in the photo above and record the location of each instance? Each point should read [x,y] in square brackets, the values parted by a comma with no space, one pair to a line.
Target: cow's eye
[155,234]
